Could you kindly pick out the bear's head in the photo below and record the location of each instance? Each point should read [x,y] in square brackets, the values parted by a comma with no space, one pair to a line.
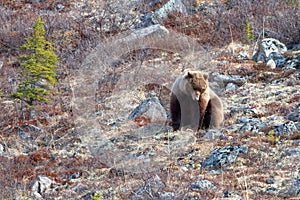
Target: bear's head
[198,82]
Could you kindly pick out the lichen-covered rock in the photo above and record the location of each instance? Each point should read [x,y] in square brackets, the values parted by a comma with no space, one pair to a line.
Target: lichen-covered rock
[287,129]
[226,79]
[270,51]
[222,157]
[153,18]
[40,186]
[149,109]
[151,186]
[202,185]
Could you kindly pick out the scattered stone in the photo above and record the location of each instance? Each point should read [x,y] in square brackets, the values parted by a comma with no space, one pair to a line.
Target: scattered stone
[287,129]
[149,109]
[231,87]
[202,185]
[222,157]
[1,64]
[242,56]
[151,186]
[165,195]
[21,132]
[59,7]
[270,181]
[270,51]
[290,152]
[152,18]
[250,124]
[232,195]
[292,191]
[147,20]
[75,175]
[40,186]
[214,134]
[271,64]
[225,79]
[170,7]
[1,149]
[294,116]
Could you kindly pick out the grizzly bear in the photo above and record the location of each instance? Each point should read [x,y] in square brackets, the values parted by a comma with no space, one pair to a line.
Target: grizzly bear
[193,104]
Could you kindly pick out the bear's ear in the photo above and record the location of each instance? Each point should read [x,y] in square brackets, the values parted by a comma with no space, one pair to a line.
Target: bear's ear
[189,75]
[205,76]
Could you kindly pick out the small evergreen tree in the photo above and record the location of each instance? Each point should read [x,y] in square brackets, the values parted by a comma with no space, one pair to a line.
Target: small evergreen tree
[37,67]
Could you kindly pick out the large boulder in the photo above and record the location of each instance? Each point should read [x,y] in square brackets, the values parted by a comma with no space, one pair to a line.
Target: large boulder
[150,110]
[171,6]
[270,51]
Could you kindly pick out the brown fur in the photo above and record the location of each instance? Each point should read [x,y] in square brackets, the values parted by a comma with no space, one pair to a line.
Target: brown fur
[193,104]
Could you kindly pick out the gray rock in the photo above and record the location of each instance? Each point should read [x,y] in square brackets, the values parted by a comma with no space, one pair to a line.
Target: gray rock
[1,64]
[151,186]
[250,124]
[270,181]
[202,185]
[149,108]
[214,134]
[270,51]
[147,20]
[271,64]
[292,64]
[291,152]
[294,116]
[235,110]
[242,56]
[1,149]
[232,195]
[292,191]
[287,129]
[231,87]
[163,195]
[225,79]
[222,157]
[40,186]
[153,18]
[59,6]
[170,7]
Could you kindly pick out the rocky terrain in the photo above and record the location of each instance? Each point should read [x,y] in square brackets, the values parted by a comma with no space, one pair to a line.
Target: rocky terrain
[106,134]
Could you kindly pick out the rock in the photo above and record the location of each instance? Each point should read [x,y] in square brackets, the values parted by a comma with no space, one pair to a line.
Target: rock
[250,124]
[147,20]
[292,191]
[149,109]
[295,151]
[59,7]
[270,51]
[171,6]
[151,186]
[271,64]
[222,157]
[163,195]
[232,195]
[214,134]
[287,129]
[1,64]
[294,116]
[1,149]
[225,79]
[231,87]
[40,186]
[270,181]
[202,185]
[242,56]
